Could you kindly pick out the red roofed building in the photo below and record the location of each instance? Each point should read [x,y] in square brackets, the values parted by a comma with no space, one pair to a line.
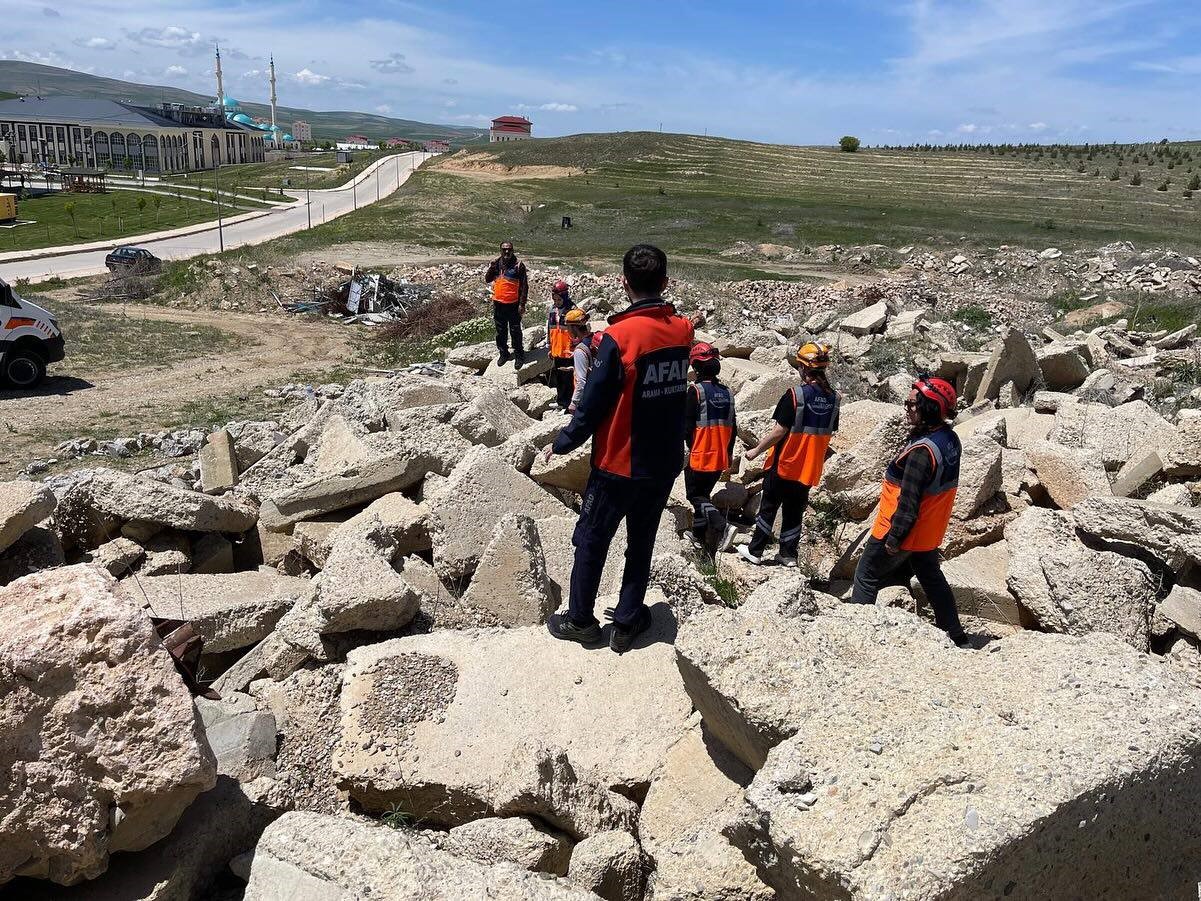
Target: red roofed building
[510,128]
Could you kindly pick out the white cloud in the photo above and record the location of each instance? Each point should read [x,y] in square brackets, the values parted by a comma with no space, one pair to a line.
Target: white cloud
[94,43]
[472,118]
[550,107]
[51,13]
[46,59]
[254,73]
[175,70]
[968,128]
[309,77]
[170,37]
[383,109]
[1037,126]
[392,64]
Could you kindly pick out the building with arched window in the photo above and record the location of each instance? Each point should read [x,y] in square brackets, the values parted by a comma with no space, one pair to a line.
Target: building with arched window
[105,134]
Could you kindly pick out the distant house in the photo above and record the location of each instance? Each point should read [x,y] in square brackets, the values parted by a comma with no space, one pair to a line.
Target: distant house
[436,146]
[510,128]
[397,142]
[356,142]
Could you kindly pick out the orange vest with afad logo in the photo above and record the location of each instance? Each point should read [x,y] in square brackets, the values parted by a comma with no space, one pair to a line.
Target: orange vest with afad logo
[938,499]
[506,288]
[714,428]
[801,456]
[557,334]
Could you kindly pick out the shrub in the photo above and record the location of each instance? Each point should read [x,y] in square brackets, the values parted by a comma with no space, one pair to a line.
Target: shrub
[1194,183]
[1163,185]
[848,143]
[1136,179]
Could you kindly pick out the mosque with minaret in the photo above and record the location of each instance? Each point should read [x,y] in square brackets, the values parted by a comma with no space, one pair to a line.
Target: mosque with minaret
[274,135]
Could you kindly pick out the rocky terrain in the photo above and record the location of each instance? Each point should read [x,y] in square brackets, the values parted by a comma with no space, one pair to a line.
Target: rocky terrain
[308,658]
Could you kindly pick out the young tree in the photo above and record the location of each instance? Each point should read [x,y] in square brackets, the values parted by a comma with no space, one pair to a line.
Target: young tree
[158,207]
[1136,179]
[69,206]
[141,208]
[848,143]
[1194,183]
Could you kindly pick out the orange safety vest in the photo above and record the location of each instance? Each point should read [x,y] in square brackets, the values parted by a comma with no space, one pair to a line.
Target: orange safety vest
[938,500]
[557,334]
[801,456]
[714,428]
[506,288]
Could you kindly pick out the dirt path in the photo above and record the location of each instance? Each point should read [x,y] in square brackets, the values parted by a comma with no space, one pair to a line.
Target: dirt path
[78,401]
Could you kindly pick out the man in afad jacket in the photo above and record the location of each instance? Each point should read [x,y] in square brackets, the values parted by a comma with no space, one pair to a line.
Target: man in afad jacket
[633,410]
[510,289]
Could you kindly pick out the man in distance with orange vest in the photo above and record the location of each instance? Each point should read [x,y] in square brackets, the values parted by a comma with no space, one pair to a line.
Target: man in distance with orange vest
[709,428]
[510,289]
[804,419]
[558,337]
[633,410]
[916,501]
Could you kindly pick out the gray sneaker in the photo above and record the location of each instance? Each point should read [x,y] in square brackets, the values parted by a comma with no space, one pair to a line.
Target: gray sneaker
[727,537]
[744,551]
[788,560]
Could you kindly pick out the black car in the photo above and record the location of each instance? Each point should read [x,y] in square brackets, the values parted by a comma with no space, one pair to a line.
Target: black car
[132,259]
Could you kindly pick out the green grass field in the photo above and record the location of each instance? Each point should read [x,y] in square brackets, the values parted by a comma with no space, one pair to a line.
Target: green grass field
[252,178]
[698,196]
[100,217]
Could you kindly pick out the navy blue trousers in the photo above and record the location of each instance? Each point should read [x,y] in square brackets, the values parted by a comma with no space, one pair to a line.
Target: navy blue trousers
[608,501]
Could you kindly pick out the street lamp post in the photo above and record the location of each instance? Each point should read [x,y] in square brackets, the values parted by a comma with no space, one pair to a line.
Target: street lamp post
[308,201]
[217,183]
[354,193]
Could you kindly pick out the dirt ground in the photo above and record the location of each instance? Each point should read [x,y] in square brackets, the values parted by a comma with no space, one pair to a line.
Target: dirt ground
[483,166]
[75,401]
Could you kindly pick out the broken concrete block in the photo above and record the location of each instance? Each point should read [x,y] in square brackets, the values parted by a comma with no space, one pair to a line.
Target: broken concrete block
[168,553]
[218,463]
[22,506]
[1117,432]
[309,855]
[1020,427]
[736,373]
[1178,338]
[118,556]
[979,475]
[537,363]
[341,447]
[979,581]
[1172,535]
[1062,367]
[764,392]
[1183,607]
[312,538]
[76,661]
[475,357]
[490,418]
[480,490]
[489,734]
[241,735]
[917,753]
[37,549]
[1012,361]
[516,840]
[608,864]
[353,486]
[1068,475]
[1068,587]
[1182,453]
[229,611]
[511,581]
[567,471]
[405,522]
[904,324]
[212,553]
[1144,465]
[866,321]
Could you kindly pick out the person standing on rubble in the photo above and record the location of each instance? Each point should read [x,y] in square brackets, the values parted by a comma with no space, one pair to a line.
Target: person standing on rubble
[632,408]
[916,501]
[510,289]
[558,336]
[805,419]
[583,350]
[709,429]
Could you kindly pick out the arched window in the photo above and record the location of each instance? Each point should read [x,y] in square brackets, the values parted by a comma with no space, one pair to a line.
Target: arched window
[150,151]
[133,149]
[116,147]
[100,145]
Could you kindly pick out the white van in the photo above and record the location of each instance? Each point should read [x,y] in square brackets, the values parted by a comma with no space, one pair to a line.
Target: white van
[30,339]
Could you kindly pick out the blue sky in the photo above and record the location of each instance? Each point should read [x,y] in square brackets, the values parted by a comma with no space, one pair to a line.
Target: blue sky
[797,72]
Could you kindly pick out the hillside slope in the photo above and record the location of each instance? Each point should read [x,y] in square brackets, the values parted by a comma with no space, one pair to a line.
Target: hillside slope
[30,78]
[702,195]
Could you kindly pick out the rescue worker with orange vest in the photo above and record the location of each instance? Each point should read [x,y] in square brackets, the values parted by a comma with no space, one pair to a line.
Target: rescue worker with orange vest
[916,501]
[709,429]
[633,410]
[510,289]
[558,336]
[583,350]
[805,418]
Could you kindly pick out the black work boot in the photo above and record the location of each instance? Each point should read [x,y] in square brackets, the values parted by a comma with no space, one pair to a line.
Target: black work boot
[564,629]
[503,358]
[621,640]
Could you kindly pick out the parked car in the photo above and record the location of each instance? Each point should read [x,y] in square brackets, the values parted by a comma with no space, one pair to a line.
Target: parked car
[132,259]
[29,340]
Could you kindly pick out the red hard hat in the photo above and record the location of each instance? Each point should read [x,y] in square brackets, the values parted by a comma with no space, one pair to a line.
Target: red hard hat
[941,392]
[702,352]
[559,287]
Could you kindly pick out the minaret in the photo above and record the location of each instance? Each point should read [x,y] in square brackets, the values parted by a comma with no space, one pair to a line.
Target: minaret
[272,97]
[220,86]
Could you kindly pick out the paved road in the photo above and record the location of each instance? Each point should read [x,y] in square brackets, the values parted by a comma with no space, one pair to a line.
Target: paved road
[379,181]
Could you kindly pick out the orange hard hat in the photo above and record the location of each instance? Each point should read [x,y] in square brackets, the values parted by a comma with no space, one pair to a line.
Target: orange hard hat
[575,316]
[813,356]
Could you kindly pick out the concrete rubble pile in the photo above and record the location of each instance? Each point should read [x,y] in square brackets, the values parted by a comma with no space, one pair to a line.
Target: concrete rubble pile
[364,584]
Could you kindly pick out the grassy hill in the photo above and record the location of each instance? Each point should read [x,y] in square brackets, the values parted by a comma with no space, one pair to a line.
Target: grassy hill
[699,196]
[18,77]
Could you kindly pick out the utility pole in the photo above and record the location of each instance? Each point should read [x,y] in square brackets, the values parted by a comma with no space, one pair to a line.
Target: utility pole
[308,201]
[354,192]
[217,182]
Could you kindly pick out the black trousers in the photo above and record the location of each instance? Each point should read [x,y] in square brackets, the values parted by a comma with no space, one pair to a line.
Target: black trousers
[608,500]
[779,493]
[564,380]
[878,569]
[698,486]
[507,317]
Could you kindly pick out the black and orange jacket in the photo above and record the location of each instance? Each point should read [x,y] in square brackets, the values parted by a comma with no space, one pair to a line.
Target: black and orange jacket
[709,426]
[557,335]
[801,455]
[510,285]
[938,453]
[633,404]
